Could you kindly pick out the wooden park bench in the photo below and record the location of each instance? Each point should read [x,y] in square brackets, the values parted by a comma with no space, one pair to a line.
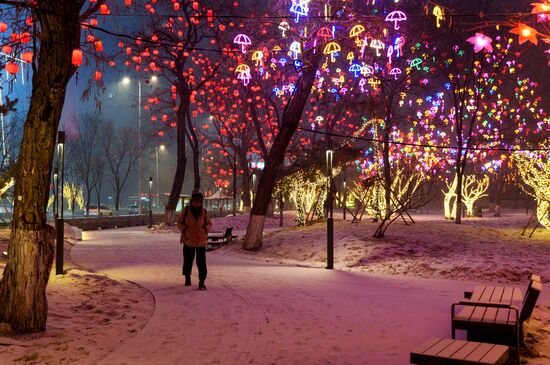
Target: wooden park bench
[492,316]
[220,238]
[445,351]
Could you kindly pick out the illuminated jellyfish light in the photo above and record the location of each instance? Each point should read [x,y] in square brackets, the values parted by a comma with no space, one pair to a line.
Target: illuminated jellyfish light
[243,40]
[284,27]
[395,72]
[332,48]
[398,43]
[356,69]
[295,50]
[299,8]
[378,45]
[416,63]
[244,77]
[396,17]
[439,14]
[258,56]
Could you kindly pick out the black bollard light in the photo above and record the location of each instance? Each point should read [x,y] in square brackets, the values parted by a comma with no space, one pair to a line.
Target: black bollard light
[59,222]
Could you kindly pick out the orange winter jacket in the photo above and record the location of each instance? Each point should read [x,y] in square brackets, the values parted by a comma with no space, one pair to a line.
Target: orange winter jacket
[194,232]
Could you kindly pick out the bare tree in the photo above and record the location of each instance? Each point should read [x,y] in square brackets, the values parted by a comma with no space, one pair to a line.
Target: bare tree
[122,155]
[87,154]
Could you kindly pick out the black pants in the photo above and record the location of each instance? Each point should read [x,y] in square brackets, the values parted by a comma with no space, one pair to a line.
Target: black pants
[188,258]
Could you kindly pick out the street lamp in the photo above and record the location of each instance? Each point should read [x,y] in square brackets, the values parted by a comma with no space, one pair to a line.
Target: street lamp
[150,224]
[161,148]
[59,224]
[126,81]
[330,219]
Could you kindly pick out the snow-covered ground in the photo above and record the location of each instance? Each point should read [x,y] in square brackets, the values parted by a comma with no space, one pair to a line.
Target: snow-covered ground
[278,305]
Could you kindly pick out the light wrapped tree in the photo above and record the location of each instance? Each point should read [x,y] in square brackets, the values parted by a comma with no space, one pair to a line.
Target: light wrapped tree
[473,190]
[534,168]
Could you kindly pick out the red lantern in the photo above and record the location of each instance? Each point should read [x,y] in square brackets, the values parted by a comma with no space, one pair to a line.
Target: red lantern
[176,6]
[210,15]
[97,75]
[12,68]
[7,48]
[98,45]
[161,134]
[104,9]
[26,56]
[128,2]
[77,57]
[195,5]
[3,27]
[25,38]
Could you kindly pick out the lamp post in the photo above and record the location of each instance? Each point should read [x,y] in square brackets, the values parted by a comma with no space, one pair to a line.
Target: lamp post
[126,81]
[55,188]
[59,223]
[150,213]
[330,219]
[161,148]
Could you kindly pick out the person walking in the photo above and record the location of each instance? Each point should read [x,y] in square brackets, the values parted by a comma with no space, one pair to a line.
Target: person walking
[194,224]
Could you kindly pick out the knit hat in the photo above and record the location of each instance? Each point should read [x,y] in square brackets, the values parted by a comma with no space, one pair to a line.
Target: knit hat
[197,195]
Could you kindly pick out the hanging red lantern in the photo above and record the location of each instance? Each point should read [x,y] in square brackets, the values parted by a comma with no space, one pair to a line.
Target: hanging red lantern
[7,48]
[128,2]
[25,38]
[12,68]
[176,6]
[26,56]
[97,75]
[3,27]
[161,133]
[104,9]
[98,45]
[77,57]
[195,5]
[210,15]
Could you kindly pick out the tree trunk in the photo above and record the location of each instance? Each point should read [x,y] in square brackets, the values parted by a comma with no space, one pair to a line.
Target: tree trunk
[290,119]
[23,302]
[234,187]
[387,170]
[459,178]
[245,182]
[181,163]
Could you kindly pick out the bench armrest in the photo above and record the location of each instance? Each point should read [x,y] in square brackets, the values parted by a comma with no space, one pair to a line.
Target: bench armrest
[485,304]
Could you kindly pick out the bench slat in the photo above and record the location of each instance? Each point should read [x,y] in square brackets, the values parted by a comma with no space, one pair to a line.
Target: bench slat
[438,347]
[479,352]
[497,355]
[507,295]
[487,294]
[478,314]
[497,295]
[465,351]
[465,313]
[452,348]
[426,345]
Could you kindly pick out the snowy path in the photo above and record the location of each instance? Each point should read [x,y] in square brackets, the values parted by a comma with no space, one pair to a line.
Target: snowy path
[259,313]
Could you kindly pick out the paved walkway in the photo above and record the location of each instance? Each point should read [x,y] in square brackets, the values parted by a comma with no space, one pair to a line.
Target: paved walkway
[260,313]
